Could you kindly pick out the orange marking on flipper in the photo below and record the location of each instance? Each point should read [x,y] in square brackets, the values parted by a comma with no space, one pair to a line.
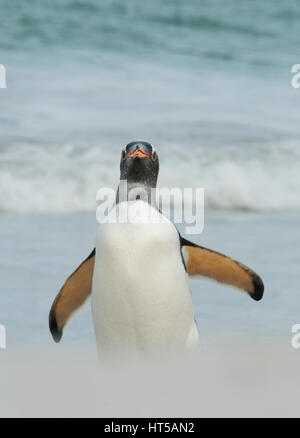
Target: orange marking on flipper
[224,269]
[71,297]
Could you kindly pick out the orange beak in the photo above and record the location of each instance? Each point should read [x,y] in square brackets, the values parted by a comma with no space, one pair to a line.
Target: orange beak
[139,153]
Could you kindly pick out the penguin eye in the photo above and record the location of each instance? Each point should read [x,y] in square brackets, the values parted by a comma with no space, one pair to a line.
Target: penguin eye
[154,155]
[123,154]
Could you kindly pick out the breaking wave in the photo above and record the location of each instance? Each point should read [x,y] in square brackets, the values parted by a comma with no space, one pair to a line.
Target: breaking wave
[64,178]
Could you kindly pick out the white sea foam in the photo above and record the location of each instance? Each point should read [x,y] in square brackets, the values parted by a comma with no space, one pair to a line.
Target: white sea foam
[63,178]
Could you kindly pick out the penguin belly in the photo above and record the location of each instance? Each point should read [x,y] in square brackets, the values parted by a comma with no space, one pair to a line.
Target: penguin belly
[141,298]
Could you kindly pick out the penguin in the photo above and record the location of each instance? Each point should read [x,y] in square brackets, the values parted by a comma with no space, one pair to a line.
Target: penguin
[138,273]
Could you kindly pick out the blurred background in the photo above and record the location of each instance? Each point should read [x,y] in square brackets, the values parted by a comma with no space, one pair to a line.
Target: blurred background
[209,84]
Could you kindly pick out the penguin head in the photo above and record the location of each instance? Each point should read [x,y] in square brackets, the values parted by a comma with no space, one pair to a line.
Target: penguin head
[139,163]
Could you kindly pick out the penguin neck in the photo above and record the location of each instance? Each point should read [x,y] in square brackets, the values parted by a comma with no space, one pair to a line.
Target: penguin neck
[133,191]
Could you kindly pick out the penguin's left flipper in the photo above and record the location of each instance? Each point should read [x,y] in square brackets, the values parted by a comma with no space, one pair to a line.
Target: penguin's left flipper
[208,263]
[71,296]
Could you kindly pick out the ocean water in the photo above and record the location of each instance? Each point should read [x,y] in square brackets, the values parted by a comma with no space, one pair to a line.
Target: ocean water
[39,252]
[209,84]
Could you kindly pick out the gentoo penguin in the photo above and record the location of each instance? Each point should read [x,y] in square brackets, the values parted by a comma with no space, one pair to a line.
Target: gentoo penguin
[137,275]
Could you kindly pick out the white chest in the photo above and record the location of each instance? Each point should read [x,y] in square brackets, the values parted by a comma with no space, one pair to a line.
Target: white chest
[141,294]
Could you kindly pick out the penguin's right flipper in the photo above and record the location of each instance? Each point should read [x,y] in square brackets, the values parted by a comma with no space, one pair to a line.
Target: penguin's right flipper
[71,296]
